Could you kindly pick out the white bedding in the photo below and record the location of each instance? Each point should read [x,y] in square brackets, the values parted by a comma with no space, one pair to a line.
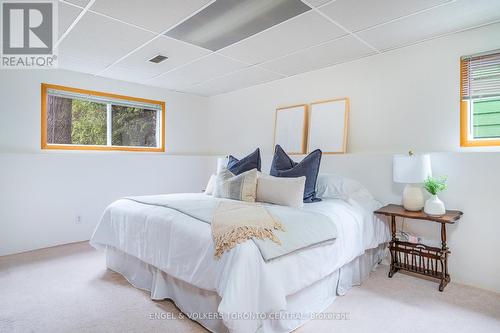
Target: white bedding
[184,249]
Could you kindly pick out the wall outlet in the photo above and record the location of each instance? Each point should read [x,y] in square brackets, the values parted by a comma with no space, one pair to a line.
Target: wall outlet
[78,219]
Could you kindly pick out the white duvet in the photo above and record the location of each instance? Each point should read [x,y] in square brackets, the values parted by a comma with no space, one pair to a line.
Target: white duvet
[184,249]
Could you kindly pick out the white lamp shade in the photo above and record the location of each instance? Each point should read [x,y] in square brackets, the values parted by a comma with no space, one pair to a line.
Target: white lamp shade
[221,163]
[411,169]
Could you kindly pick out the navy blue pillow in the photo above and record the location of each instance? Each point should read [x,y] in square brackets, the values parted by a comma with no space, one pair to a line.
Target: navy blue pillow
[284,166]
[248,162]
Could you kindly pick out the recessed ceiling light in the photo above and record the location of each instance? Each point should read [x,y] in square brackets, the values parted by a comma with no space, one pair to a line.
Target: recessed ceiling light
[226,22]
[157,59]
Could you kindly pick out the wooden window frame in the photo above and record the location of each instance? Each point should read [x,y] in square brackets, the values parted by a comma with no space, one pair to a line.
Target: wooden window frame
[465,109]
[48,146]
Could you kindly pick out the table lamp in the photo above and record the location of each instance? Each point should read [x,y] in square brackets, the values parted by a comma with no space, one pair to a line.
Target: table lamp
[221,163]
[412,170]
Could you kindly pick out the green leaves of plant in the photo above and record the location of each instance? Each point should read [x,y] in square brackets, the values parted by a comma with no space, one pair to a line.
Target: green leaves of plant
[435,185]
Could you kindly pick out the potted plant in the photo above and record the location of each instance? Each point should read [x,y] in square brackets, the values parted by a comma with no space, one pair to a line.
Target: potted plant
[434,206]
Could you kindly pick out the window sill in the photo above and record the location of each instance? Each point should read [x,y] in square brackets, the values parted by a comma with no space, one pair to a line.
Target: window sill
[100,149]
[480,143]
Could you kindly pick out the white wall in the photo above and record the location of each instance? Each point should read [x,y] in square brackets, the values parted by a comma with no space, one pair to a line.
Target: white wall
[473,188]
[185,117]
[407,98]
[401,100]
[42,193]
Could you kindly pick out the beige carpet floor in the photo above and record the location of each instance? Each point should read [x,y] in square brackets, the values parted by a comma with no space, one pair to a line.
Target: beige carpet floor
[68,289]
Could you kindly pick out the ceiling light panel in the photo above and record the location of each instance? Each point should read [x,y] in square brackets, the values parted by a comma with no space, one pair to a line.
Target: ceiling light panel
[226,22]
[298,33]
[356,15]
[154,15]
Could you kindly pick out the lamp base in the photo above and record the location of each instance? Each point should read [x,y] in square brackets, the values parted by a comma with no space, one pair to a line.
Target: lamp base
[413,198]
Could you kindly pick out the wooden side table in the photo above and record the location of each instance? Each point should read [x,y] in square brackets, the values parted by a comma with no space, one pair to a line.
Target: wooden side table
[415,257]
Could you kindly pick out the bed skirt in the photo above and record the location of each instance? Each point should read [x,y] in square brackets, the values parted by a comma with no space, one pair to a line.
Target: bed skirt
[201,305]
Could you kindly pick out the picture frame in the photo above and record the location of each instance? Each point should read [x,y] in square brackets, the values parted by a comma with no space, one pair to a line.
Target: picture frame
[290,128]
[328,126]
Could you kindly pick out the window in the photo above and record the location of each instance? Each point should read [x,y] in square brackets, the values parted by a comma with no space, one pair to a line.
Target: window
[480,100]
[79,119]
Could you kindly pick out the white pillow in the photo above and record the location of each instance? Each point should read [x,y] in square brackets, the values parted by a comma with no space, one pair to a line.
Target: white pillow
[333,186]
[237,187]
[209,190]
[281,190]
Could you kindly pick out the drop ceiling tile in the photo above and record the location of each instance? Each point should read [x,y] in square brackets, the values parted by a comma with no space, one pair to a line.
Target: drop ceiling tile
[81,3]
[155,15]
[178,53]
[297,33]
[66,16]
[126,74]
[97,38]
[361,14]
[245,78]
[201,70]
[446,19]
[315,3]
[80,65]
[328,54]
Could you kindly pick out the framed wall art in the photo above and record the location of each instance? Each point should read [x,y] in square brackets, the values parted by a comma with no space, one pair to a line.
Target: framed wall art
[290,129]
[328,126]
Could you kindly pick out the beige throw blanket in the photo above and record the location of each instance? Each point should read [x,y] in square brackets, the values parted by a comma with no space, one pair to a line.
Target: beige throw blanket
[236,222]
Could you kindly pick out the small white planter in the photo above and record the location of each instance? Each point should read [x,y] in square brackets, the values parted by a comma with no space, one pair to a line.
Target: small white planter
[434,206]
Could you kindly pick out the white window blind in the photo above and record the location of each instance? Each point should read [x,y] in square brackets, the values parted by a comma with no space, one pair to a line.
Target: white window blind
[480,75]
[104,100]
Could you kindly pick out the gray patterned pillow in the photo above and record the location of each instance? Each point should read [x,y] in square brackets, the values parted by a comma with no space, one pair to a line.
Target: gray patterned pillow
[242,187]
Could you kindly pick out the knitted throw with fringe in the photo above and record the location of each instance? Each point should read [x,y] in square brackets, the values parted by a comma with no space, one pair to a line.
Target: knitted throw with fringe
[236,222]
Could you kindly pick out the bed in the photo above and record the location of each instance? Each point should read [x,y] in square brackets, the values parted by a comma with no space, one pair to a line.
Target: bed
[171,255]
